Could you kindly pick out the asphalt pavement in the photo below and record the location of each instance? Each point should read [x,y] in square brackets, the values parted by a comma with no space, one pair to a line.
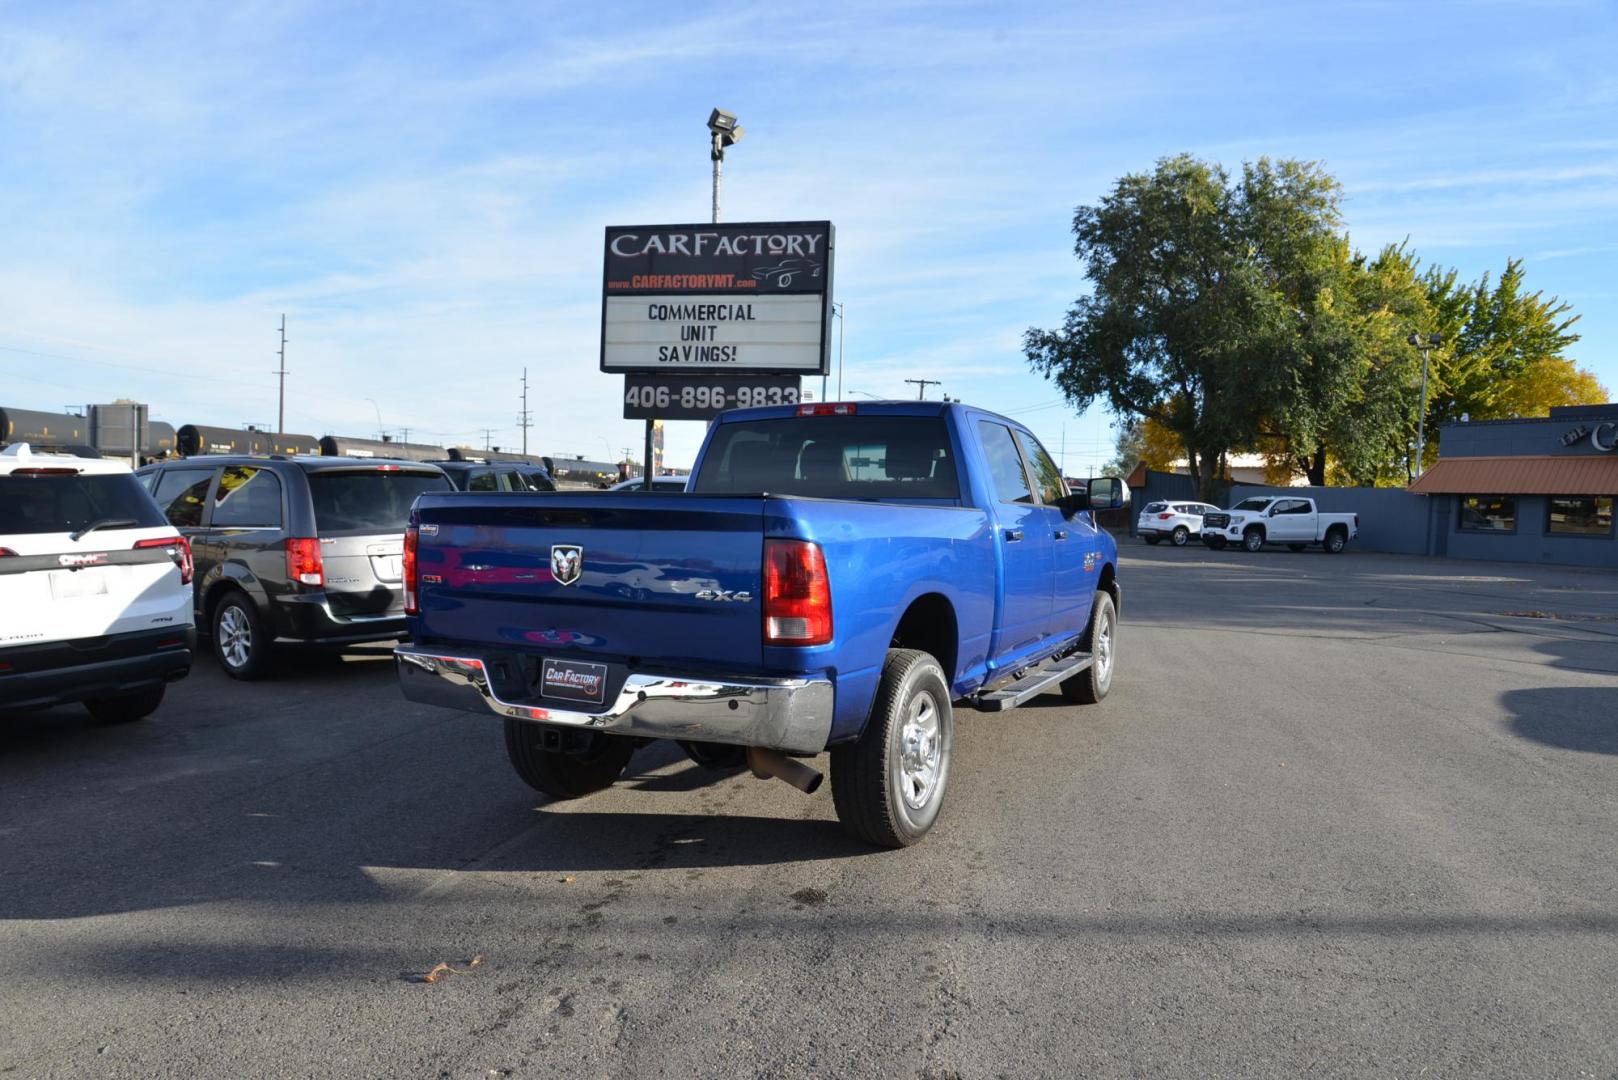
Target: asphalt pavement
[1339,816]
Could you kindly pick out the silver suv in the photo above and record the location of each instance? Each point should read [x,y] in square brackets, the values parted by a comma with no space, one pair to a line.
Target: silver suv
[292,550]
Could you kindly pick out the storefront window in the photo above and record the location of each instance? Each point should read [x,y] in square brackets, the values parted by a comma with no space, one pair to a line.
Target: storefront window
[1580,515]
[1488,513]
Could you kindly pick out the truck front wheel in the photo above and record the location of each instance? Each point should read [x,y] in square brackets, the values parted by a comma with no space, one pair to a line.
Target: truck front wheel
[888,785]
[1101,642]
[1253,539]
[565,774]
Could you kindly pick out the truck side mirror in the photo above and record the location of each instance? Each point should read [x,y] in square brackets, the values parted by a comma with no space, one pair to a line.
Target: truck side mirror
[1106,493]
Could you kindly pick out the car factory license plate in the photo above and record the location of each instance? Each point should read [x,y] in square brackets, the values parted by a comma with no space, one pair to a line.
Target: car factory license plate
[574,680]
[73,584]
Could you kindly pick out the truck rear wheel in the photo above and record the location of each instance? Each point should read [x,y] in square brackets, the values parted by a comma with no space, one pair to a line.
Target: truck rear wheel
[888,785]
[1101,642]
[565,774]
[1336,540]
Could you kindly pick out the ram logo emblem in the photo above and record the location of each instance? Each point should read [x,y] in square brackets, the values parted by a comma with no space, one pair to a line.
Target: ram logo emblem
[567,563]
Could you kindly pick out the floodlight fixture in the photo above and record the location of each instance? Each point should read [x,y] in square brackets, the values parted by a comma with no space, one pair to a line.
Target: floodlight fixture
[726,131]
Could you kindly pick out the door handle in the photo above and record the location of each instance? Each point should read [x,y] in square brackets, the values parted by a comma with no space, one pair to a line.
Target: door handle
[1061,534]
[1013,534]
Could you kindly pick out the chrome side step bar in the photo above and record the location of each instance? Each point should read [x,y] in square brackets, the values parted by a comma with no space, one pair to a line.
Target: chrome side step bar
[1035,682]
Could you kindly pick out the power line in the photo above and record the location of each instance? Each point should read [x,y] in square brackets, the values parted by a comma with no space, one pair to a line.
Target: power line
[281,413]
[488,436]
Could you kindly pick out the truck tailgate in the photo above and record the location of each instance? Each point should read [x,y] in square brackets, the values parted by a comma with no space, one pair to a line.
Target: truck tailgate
[613,577]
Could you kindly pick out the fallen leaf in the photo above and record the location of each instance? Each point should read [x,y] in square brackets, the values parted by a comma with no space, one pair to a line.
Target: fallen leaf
[441,969]
[567,879]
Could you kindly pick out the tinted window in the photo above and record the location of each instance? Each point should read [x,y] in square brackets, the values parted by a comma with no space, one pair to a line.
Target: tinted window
[372,500]
[1252,504]
[1292,506]
[1580,515]
[834,457]
[1155,508]
[247,497]
[537,481]
[1005,465]
[1488,513]
[50,504]
[181,495]
[1051,487]
[481,480]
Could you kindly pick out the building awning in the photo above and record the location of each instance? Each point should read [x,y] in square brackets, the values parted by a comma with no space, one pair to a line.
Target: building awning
[1526,475]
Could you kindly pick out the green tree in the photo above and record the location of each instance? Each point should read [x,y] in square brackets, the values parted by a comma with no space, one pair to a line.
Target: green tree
[1197,286]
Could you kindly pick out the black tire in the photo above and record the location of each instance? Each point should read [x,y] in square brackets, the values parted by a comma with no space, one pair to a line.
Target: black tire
[1336,540]
[1154,540]
[1296,547]
[239,642]
[1253,539]
[1215,542]
[126,707]
[716,756]
[1180,535]
[877,800]
[561,774]
[1091,685]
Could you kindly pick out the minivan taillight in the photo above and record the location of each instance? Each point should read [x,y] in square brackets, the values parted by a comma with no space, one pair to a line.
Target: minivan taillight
[409,568]
[797,594]
[303,561]
[179,550]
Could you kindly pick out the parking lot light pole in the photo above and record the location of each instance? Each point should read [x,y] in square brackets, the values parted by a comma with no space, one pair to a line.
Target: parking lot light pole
[1426,345]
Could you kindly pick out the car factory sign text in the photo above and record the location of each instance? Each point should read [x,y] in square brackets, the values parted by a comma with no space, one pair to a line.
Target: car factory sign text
[742,299]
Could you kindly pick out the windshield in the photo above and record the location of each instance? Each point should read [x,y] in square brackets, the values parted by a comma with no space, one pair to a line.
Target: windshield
[1156,508]
[1252,504]
[57,504]
[368,500]
[833,457]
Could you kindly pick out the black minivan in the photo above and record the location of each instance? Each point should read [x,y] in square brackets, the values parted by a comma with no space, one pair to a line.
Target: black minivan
[303,550]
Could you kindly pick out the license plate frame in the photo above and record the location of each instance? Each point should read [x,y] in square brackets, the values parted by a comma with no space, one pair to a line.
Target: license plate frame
[581,681]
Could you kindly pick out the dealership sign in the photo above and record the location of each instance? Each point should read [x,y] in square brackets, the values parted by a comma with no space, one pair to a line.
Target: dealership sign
[1604,436]
[739,299]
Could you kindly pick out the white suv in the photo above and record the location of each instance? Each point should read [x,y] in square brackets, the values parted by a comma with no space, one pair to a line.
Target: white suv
[1176,522]
[95,588]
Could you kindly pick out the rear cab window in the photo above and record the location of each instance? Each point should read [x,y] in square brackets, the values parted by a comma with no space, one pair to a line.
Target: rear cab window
[842,457]
[51,502]
[368,499]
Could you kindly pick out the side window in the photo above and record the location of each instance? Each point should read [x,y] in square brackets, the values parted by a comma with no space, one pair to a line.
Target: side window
[247,498]
[481,480]
[148,480]
[1005,464]
[1051,487]
[180,495]
[1294,506]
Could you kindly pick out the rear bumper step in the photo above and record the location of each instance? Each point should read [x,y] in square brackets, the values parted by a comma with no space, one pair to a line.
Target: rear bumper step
[793,715]
[1035,682]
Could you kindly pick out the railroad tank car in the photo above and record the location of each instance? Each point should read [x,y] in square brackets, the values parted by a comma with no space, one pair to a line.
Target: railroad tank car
[43,428]
[344,446]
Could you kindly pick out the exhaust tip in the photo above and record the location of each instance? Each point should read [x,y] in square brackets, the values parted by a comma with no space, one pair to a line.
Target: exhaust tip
[767,763]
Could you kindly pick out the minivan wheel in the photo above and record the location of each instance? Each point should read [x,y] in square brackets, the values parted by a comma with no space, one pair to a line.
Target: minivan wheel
[126,707]
[239,643]
[1181,535]
[888,785]
[566,774]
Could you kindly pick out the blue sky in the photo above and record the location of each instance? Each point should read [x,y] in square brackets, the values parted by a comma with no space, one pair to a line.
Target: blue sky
[422,189]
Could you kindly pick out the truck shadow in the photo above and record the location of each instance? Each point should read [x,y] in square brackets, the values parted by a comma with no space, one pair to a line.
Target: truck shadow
[1566,717]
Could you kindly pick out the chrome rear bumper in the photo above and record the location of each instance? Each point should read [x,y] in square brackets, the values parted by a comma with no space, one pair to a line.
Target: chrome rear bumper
[793,715]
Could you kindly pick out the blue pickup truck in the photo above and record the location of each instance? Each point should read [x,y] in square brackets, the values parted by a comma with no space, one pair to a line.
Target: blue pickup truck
[836,577]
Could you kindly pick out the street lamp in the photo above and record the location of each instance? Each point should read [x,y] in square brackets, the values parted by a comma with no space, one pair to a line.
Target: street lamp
[1426,345]
[726,132]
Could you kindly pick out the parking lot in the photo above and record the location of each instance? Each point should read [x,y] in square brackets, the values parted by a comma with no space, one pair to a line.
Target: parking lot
[1340,815]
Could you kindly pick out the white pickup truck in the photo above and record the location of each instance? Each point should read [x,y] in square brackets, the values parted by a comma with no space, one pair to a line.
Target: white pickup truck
[1279,519]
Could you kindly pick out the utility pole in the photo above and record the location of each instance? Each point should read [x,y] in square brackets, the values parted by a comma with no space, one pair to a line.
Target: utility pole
[488,436]
[281,412]
[922,385]
[525,418]
[1426,345]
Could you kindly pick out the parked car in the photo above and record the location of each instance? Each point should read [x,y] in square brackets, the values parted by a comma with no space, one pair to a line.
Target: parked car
[95,588]
[659,483]
[496,476]
[906,556]
[1177,522]
[1272,519]
[292,550]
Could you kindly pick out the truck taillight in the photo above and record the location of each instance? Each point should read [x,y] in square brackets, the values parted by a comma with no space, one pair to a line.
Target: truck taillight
[303,561]
[179,550]
[797,594]
[829,408]
[409,571]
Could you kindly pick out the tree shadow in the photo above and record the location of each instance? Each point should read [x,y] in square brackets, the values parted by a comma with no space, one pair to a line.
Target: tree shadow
[1566,717]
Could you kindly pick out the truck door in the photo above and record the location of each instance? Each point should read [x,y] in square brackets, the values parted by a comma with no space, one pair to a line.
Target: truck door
[1292,520]
[1024,547]
[1072,541]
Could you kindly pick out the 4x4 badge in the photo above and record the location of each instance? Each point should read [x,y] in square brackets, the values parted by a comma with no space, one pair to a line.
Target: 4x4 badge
[567,563]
